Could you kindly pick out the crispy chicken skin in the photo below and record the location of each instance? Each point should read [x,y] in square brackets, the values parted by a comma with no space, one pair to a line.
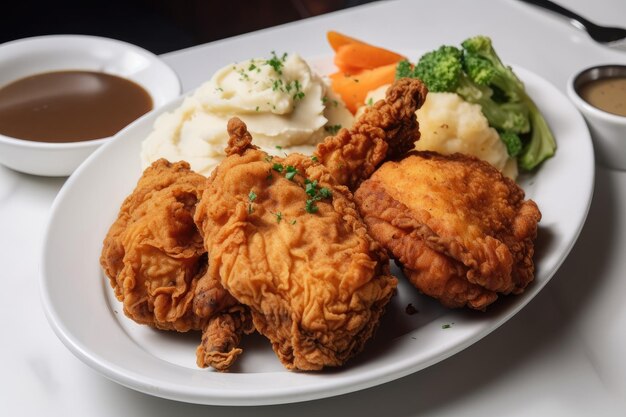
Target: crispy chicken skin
[462,231]
[388,129]
[315,281]
[155,259]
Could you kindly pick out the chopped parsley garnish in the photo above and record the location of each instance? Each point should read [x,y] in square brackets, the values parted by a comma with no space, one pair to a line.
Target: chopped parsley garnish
[252,67]
[332,129]
[370,101]
[279,216]
[277,63]
[325,192]
[277,85]
[278,167]
[292,222]
[310,187]
[299,95]
[316,194]
[251,198]
[279,147]
[314,158]
[310,206]
[290,172]
[243,75]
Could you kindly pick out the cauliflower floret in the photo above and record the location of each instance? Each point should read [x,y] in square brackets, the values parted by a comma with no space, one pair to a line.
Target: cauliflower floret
[449,124]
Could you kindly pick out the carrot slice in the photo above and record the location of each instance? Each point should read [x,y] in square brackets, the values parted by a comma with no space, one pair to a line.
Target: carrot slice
[354,88]
[346,68]
[364,56]
[336,39]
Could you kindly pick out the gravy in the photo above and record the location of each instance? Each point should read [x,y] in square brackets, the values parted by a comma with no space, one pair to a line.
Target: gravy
[70,106]
[608,94]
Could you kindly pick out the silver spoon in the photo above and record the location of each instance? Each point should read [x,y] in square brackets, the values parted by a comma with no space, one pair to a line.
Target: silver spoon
[609,36]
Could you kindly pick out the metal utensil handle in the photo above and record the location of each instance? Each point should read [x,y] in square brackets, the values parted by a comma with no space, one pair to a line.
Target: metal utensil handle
[546,4]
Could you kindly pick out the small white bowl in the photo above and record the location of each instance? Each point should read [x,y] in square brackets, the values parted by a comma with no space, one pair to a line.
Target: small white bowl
[608,130]
[25,57]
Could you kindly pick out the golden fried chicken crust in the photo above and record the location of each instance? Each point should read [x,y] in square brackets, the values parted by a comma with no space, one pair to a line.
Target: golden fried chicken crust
[155,259]
[462,231]
[386,130]
[220,339]
[315,282]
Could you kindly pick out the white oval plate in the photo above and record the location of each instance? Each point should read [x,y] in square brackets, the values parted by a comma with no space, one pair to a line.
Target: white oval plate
[88,319]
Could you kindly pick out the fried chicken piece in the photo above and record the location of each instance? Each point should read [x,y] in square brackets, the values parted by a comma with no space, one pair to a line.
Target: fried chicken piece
[285,239]
[315,282]
[462,231]
[386,130]
[155,259]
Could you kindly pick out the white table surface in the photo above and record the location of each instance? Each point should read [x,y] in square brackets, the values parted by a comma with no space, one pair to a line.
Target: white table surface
[561,355]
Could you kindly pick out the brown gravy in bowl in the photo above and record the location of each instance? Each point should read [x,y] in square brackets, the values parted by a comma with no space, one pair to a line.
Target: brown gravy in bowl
[70,106]
[608,94]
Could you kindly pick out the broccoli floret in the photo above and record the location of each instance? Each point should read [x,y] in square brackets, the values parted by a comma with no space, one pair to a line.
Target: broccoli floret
[484,67]
[513,143]
[540,145]
[441,69]
[507,116]
[404,69]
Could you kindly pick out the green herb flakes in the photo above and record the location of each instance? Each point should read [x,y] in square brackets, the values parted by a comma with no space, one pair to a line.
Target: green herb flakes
[251,197]
[277,63]
[310,206]
[290,172]
[332,129]
[310,187]
[325,193]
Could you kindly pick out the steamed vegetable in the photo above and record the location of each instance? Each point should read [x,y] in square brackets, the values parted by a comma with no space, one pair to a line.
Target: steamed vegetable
[353,89]
[477,74]
[353,55]
[362,68]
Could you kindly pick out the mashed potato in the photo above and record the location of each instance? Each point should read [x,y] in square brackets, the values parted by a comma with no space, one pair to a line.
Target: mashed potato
[449,124]
[286,106]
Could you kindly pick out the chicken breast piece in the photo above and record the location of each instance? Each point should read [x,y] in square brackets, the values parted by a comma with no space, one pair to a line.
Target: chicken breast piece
[462,231]
[315,282]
